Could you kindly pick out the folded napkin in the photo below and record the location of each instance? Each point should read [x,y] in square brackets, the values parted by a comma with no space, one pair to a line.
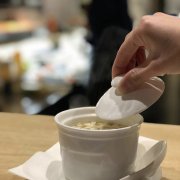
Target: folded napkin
[47,165]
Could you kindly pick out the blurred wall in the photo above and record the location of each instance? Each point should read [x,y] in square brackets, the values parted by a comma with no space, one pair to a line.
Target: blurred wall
[65,12]
[138,8]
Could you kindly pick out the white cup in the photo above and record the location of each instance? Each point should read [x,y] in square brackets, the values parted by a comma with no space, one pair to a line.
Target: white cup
[96,154]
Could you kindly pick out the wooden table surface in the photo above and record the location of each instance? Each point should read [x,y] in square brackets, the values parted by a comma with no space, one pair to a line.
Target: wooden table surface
[23,135]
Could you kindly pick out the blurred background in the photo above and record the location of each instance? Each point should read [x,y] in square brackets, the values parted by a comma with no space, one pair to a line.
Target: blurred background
[57,54]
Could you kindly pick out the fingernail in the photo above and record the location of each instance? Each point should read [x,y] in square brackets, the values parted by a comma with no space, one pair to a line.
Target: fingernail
[115,81]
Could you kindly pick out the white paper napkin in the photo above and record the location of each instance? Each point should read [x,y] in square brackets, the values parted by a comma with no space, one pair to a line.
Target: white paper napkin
[47,165]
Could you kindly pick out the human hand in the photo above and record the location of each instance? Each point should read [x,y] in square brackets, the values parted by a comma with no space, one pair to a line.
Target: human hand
[159,35]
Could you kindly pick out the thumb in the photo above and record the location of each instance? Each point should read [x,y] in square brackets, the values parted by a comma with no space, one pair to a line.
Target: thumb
[134,78]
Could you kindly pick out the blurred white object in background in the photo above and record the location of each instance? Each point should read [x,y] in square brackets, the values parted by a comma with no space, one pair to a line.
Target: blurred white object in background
[69,63]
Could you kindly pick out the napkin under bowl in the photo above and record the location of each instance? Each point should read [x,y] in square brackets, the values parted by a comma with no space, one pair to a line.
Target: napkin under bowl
[47,165]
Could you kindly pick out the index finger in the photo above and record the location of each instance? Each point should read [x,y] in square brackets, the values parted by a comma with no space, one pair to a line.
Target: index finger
[125,53]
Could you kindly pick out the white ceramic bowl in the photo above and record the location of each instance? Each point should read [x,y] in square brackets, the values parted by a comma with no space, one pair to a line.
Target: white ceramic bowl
[96,154]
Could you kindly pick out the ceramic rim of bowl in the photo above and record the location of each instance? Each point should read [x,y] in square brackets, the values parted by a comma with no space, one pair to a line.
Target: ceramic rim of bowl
[61,119]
